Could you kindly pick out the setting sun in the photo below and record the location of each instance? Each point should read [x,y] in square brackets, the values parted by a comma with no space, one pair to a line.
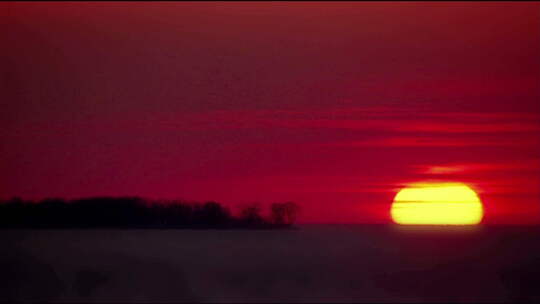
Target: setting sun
[437,204]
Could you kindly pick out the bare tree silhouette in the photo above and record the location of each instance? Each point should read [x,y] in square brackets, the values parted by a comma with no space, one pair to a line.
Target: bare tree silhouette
[284,213]
[251,215]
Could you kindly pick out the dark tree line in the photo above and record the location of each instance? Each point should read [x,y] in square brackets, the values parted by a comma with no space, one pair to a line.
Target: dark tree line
[134,212]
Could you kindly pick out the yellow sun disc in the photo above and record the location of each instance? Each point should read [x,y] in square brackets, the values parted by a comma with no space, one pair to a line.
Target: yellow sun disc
[437,204]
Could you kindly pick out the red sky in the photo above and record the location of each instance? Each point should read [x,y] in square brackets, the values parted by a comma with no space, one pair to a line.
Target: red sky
[332,105]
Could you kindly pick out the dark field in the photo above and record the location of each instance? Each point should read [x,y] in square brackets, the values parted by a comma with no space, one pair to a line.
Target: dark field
[336,263]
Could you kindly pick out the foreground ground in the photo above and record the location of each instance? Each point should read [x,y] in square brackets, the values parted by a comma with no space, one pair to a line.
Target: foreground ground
[335,263]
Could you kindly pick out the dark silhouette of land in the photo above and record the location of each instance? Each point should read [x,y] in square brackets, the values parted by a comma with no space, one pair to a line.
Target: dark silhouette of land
[135,212]
[318,263]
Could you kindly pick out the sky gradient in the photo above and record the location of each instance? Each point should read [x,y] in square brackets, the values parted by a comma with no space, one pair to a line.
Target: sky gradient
[335,106]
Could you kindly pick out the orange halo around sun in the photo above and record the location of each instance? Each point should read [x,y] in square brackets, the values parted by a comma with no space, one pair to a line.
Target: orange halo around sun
[437,204]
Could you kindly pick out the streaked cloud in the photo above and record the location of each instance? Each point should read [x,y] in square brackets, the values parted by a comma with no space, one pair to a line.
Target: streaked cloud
[523,165]
[374,119]
[440,141]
